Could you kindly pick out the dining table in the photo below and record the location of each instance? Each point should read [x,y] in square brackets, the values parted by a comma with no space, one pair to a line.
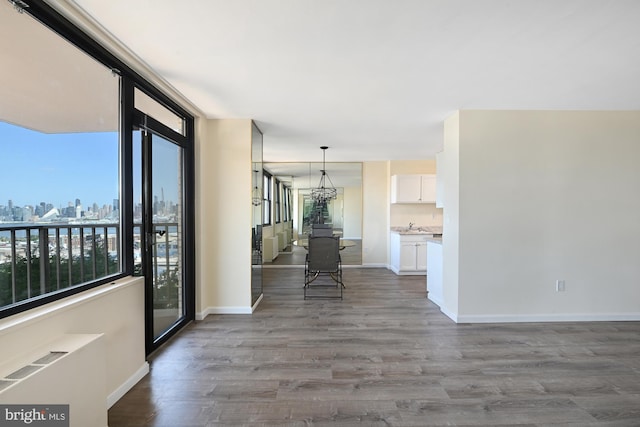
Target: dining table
[343,243]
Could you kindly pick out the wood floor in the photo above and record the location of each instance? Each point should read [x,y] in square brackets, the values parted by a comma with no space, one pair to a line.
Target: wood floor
[384,356]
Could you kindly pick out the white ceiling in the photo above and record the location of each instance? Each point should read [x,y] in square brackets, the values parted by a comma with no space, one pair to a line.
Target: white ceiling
[307,174]
[374,79]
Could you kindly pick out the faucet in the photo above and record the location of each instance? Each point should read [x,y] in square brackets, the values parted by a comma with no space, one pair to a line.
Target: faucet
[410,225]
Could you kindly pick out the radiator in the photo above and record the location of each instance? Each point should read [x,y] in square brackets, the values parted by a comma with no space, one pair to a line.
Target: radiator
[270,249]
[282,240]
[69,370]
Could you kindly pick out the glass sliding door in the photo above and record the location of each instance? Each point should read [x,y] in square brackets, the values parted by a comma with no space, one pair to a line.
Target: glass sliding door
[163,218]
[163,204]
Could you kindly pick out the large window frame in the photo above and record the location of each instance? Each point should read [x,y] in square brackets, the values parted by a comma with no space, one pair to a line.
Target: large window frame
[287,203]
[50,18]
[267,195]
[277,201]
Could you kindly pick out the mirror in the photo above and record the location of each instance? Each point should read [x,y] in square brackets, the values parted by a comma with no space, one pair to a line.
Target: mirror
[256,213]
[344,213]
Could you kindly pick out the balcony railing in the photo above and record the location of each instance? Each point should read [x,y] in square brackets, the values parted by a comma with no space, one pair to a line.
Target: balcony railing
[43,258]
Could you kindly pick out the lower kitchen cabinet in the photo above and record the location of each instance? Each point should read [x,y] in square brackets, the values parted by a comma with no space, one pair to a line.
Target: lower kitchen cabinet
[409,253]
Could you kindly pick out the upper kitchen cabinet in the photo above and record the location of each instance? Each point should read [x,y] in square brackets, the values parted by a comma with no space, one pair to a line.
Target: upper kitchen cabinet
[413,189]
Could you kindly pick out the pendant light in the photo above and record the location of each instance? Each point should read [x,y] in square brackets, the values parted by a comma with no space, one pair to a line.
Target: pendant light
[322,194]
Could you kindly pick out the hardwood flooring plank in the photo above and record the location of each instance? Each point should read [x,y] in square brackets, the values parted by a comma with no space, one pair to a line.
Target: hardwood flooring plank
[384,356]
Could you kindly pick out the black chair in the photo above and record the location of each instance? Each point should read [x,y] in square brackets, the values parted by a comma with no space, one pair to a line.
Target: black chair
[323,258]
[321,230]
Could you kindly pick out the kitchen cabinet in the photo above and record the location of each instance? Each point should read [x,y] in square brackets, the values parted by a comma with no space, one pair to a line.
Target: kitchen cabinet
[413,188]
[409,254]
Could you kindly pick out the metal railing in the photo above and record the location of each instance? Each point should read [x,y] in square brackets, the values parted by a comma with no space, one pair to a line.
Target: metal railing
[36,259]
[165,250]
[42,258]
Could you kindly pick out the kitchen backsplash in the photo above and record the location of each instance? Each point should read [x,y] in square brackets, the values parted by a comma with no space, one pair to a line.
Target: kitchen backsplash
[425,215]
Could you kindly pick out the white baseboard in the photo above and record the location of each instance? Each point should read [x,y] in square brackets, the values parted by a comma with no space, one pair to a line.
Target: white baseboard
[202,314]
[253,308]
[223,310]
[127,385]
[373,265]
[434,299]
[450,314]
[559,317]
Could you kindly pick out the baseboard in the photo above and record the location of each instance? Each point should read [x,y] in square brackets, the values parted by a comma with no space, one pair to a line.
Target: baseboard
[373,265]
[202,314]
[559,317]
[434,299]
[223,310]
[253,308]
[450,314]
[127,385]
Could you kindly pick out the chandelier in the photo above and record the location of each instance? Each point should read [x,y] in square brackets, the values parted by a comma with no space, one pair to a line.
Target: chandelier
[322,194]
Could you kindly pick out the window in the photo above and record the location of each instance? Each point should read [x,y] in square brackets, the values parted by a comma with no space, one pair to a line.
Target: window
[266,203]
[278,207]
[60,225]
[287,203]
[66,205]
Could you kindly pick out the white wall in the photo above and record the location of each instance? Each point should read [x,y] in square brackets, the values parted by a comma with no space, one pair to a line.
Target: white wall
[352,214]
[545,196]
[117,311]
[375,214]
[451,213]
[412,167]
[223,193]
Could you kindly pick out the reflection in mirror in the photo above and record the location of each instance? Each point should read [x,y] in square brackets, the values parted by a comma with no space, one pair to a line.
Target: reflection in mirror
[342,214]
[256,214]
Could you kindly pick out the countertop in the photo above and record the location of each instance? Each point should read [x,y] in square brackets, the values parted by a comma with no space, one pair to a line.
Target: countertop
[428,230]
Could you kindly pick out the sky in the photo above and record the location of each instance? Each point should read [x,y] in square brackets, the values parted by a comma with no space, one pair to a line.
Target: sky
[58,168]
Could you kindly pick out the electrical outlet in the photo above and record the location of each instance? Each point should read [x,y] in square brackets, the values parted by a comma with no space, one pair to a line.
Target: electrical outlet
[559,285]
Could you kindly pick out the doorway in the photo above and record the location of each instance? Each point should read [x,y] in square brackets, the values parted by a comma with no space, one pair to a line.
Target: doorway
[163,205]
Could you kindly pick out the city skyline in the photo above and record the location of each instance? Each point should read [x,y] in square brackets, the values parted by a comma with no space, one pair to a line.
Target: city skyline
[81,165]
[10,212]
[58,169]
[29,213]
